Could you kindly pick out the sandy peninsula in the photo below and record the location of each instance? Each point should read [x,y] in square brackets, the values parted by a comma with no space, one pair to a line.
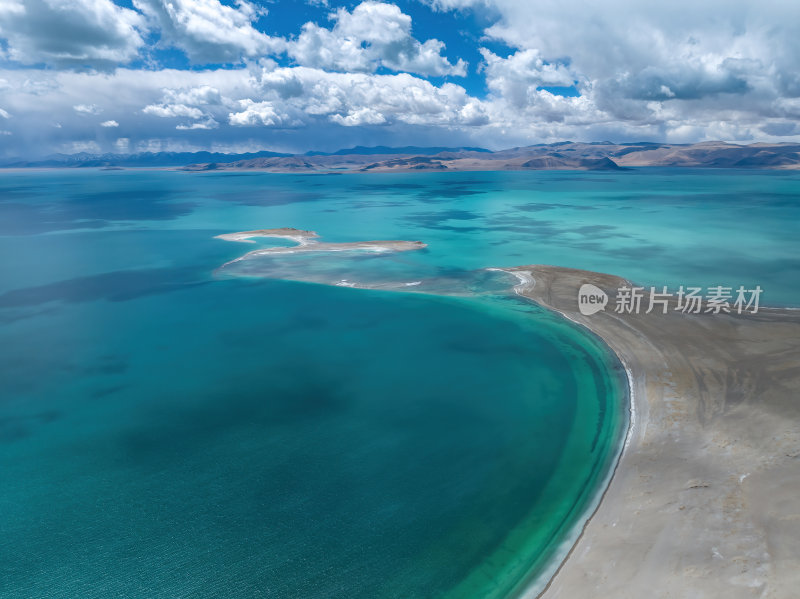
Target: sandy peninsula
[307,242]
[704,500]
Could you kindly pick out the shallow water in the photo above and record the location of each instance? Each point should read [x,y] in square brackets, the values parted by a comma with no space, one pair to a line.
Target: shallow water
[169,429]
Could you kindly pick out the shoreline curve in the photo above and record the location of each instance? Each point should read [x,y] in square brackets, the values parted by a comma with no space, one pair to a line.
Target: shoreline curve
[701,501]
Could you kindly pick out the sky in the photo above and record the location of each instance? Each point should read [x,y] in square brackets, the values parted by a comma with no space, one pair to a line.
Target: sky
[243,75]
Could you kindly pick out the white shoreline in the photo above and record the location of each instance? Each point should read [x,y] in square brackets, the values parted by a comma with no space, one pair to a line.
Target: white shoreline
[702,502]
[541,583]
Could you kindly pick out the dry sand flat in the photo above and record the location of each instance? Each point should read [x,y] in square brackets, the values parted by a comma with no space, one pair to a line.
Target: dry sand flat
[705,501]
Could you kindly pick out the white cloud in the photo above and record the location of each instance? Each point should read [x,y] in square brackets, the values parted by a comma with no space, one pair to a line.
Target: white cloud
[87,108]
[173,110]
[473,114]
[95,33]
[109,124]
[343,97]
[697,57]
[359,117]
[189,102]
[4,114]
[304,108]
[209,31]
[209,123]
[194,96]
[374,34]
[444,5]
[518,77]
[255,113]
[642,71]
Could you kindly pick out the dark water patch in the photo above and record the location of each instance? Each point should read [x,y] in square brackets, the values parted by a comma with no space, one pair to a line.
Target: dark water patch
[108,364]
[104,392]
[313,396]
[642,251]
[15,428]
[29,219]
[90,210]
[18,314]
[438,194]
[156,203]
[545,229]
[9,193]
[117,286]
[374,188]
[601,231]
[255,334]
[745,198]
[356,204]
[542,206]
[435,219]
[454,228]
[582,179]
[460,182]
[268,197]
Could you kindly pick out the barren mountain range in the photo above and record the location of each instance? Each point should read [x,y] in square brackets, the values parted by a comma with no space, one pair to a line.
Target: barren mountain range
[558,156]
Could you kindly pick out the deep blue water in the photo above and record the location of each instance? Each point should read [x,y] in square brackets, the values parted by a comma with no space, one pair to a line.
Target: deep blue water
[171,429]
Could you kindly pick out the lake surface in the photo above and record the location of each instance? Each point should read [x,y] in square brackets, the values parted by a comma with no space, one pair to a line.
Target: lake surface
[172,428]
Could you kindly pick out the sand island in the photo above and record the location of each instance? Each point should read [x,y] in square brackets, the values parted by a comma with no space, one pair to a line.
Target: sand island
[306,242]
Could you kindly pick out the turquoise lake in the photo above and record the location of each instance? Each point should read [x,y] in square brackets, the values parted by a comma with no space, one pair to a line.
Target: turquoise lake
[170,427]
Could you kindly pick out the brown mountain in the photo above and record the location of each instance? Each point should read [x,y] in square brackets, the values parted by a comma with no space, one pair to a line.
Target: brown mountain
[559,156]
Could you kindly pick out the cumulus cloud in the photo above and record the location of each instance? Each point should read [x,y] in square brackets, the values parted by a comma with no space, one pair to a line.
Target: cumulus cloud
[173,110]
[109,124]
[255,113]
[304,107]
[359,98]
[93,33]
[683,71]
[87,108]
[208,123]
[359,117]
[690,56]
[197,103]
[209,31]
[518,77]
[374,34]
[194,96]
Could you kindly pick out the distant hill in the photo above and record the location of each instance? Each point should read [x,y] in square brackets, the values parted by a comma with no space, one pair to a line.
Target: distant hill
[559,156]
[416,150]
[565,155]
